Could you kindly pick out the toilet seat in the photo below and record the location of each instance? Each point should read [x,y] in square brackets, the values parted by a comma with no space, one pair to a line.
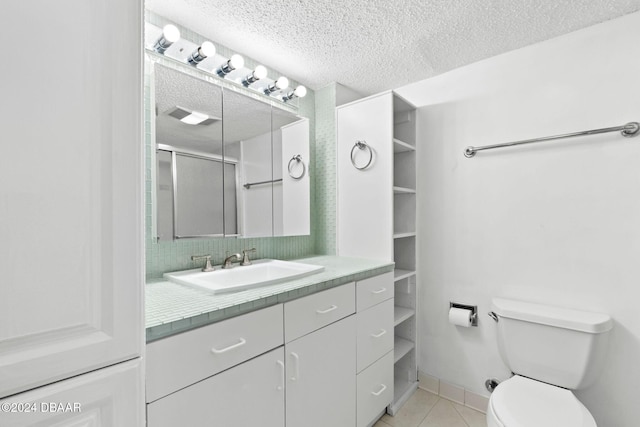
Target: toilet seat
[523,402]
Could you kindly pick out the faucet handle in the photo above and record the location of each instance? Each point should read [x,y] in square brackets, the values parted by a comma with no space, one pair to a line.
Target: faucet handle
[245,256]
[207,266]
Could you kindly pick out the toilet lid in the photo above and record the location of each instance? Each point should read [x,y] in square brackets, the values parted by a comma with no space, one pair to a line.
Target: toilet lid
[522,402]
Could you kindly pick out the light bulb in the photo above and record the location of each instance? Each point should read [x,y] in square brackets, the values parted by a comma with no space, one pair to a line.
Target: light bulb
[236,62]
[170,35]
[207,49]
[300,91]
[201,53]
[260,72]
[282,83]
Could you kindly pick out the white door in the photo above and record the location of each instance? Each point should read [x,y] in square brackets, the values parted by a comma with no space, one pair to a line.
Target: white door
[250,394]
[365,197]
[109,397]
[321,377]
[70,189]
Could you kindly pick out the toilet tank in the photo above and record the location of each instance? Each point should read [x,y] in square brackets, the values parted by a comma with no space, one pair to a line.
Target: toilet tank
[559,346]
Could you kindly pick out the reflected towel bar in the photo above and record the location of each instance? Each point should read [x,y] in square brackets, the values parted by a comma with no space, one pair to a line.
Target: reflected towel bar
[248,185]
[629,130]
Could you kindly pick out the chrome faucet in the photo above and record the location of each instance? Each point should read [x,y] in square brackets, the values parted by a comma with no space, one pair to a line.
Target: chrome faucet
[228,260]
[207,265]
[245,256]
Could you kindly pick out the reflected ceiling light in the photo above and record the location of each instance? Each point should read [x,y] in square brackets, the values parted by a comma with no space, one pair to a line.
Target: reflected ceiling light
[170,35]
[234,63]
[280,84]
[259,73]
[194,118]
[204,51]
[299,92]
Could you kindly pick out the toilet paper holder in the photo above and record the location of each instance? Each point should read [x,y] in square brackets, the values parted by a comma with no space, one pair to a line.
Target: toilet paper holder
[473,308]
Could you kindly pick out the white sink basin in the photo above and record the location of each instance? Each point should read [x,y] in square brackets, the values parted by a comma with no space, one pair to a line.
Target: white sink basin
[262,272]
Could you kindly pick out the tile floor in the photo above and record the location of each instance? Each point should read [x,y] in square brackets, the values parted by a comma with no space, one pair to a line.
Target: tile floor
[425,409]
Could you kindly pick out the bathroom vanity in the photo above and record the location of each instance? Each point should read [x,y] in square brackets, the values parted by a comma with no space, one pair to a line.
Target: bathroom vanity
[315,351]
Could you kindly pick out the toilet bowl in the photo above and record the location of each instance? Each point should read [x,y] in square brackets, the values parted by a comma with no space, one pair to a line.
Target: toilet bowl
[523,402]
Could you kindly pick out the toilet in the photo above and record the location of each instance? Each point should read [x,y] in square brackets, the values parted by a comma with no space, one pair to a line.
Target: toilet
[550,351]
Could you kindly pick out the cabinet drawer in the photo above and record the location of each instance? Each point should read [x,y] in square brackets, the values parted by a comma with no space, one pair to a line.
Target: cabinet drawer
[375,333]
[180,360]
[374,290]
[250,394]
[375,389]
[310,313]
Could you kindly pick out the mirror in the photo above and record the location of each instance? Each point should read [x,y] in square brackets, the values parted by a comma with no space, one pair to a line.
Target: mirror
[227,164]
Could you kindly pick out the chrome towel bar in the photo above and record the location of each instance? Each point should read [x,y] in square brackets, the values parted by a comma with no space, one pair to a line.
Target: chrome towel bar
[628,130]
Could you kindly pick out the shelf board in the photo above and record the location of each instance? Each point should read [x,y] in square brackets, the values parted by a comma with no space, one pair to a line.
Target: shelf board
[401,347]
[403,235]
[400,314]
[403,190]
[399,274]
[401,146]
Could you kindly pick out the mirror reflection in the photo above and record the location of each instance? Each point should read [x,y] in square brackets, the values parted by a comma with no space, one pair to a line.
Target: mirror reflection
[227,164]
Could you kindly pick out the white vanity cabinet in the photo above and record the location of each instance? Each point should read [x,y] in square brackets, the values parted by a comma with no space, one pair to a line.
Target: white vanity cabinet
[325,359]
[375,343]
[321,359]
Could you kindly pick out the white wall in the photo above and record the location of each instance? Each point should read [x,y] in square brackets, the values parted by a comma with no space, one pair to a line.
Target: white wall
[553,223]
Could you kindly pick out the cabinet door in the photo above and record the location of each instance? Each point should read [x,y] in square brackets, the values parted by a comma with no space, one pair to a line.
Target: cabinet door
[251,394]
[70,190]
[321,377]
[365,197]
[109,397]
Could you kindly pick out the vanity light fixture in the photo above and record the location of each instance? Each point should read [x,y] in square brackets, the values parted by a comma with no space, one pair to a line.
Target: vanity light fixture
[234,63]
[299,92]
[203,51]
[259,73]
[281,84]
[170,35]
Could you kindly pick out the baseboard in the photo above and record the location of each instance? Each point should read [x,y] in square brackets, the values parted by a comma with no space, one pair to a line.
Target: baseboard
[453,392]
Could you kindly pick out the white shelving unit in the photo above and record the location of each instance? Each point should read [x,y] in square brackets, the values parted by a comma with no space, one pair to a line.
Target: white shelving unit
[404,245]
[377,210]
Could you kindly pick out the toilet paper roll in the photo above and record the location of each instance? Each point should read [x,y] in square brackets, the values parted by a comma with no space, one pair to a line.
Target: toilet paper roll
[460,316]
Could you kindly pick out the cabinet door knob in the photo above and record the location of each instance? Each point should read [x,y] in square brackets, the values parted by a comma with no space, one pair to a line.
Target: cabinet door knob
[281,364]
[333,307]
[379,334]
[296,366]
[231,347]
[379,392]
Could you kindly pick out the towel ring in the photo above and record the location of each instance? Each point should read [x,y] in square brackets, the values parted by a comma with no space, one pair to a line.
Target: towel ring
[362,145]
[298,159]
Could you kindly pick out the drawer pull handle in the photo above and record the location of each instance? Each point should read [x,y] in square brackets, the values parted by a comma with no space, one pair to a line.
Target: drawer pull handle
[281,385]
[379,291]
[231,347]
[333,307]
[378,393]
[296,368]
[379,334]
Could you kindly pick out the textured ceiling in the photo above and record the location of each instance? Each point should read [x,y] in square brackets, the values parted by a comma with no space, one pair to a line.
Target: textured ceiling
[374,45]
[244,117]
